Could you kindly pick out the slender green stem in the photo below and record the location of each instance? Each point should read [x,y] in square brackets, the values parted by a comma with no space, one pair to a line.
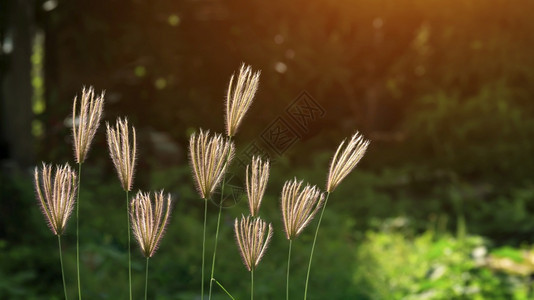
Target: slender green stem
[222,287]
[146,279]
[61,262]
[203,247]
[218,225]
[129,247]
[215,247]
[252,284]
[313,245]
[288,265]
[78,232]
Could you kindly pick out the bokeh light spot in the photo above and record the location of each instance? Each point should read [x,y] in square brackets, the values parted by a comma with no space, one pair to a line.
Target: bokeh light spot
[280,67]
[160,83]
[140,71]
[174,20]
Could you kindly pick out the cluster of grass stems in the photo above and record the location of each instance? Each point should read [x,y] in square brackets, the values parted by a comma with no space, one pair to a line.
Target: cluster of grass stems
[210,155]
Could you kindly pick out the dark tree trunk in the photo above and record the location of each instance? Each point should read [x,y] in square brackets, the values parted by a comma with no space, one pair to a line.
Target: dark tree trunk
[16,89]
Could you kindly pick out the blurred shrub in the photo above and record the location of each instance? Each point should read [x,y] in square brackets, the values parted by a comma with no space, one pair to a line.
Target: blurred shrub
[483,136]
[394,265]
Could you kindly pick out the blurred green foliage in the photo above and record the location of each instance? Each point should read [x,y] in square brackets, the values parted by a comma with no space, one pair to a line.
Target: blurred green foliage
[376,242]
[398,265]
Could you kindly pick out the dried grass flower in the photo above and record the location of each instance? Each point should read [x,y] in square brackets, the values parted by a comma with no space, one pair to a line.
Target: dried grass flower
[149,220]
[56,193]
[239,97]
[256,182]
[122,152]
[253,236]
[209,157]
[345,160]
[299,206]
[85,125]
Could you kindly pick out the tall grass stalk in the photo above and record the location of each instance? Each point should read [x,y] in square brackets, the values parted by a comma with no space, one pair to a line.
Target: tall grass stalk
[216,241]
[313,245]
[129,247]
[252,284]
[78,232]
[203,248]
[62,269]
[146,278]
[288,266]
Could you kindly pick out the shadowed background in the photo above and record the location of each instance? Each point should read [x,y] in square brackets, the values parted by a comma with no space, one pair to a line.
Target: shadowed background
[439,208]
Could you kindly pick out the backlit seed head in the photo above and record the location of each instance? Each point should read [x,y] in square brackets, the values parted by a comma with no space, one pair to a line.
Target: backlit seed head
[345,160]
[209,156]
[85,124]
[122,152]
[149,220]
[256,182]
[56,194]
[299,206]
[253,236]
[240,97]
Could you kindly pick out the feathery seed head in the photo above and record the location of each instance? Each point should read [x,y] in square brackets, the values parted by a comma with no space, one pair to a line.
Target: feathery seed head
[253,236]
[85,125]
[122,152]
[149,220]
[56,194]
[240,97]
[299,206]
[345,160]
[256,182]
[209,157]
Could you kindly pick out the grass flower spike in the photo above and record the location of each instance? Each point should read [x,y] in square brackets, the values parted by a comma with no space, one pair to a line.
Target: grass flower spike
[345,160]
[56,195]
[149,220]
[209,157]
[122,152]
[240,97]
[123,155]
[256,183]
[253,236]
[85,125]
[299,206]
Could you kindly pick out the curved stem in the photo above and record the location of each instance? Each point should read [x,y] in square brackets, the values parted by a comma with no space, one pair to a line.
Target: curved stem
[62,270]
[215,247]
[222,287]
[288,265]
[313,245]
[146,278]
[252,284]
[129,248]
[78,233]
[203,247]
